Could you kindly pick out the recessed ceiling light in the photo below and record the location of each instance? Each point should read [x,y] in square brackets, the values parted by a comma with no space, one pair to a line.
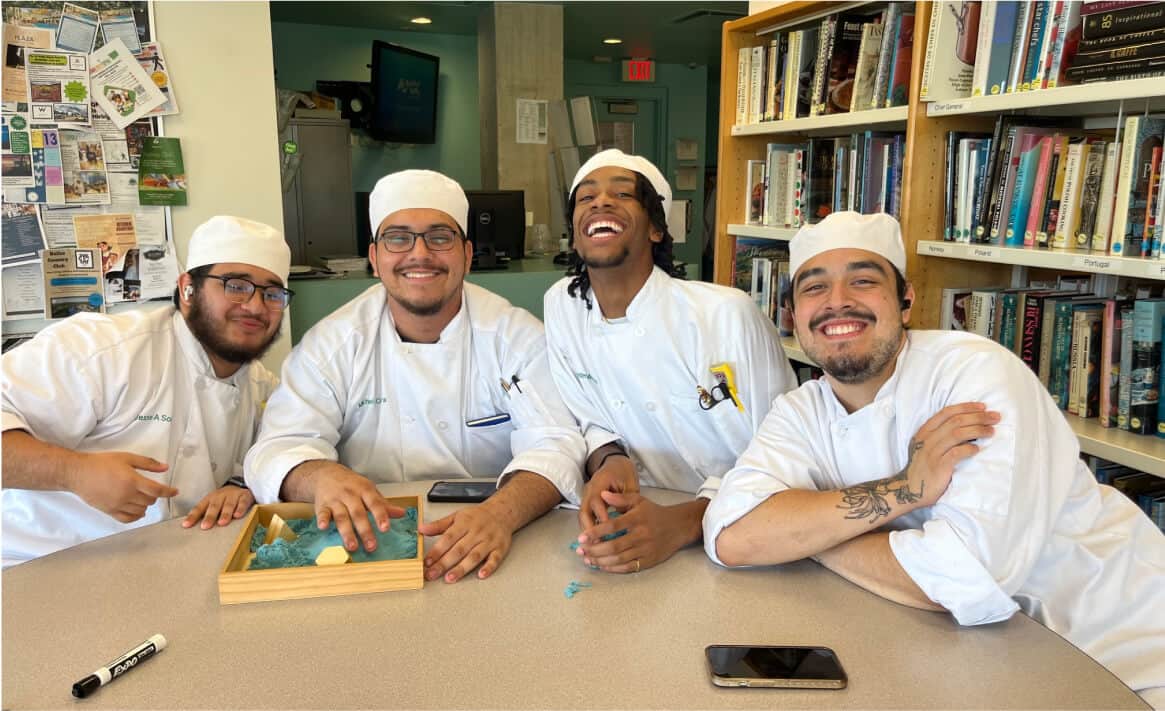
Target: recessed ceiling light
[612,40]
[421,21]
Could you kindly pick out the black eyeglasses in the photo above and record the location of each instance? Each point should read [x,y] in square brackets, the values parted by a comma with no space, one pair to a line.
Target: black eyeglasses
[240,290]
[440,239]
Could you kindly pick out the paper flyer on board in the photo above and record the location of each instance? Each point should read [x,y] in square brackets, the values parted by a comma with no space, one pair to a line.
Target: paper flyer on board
[120,86]
[58,87]
[149,222]
[21,234]
[113,141]
[23,288]
[17,41]
[161,173]
[158,269]
[77,29]
[83,159]
[32,164]
[72,282]
[114,237]
[153,62]
[119,23]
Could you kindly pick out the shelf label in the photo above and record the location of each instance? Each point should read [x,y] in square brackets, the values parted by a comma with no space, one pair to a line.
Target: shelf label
[939,107]
[1096,264]
[984,253]
[937,250]
[1159,271]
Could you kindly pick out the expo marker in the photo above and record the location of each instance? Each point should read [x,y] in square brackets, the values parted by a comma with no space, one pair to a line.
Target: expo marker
[119,666]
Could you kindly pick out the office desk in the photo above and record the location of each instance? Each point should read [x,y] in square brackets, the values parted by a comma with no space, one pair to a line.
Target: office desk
[513,641]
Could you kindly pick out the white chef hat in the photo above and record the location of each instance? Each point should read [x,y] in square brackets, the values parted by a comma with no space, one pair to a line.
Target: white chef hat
[878,233]
[235,239]
[411,189]
[636,164]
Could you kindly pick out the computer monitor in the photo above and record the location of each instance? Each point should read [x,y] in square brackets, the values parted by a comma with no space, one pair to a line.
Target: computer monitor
[363,228]
[404,87]
[497,225]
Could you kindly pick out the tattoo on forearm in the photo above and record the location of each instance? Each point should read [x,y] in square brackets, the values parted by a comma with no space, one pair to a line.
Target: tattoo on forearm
[869,500]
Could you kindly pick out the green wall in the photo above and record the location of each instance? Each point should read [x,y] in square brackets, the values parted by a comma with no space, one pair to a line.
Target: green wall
[305,53]
[683,89]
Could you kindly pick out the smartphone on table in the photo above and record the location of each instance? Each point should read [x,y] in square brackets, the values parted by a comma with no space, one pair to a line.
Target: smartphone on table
[775,667]
[470,492]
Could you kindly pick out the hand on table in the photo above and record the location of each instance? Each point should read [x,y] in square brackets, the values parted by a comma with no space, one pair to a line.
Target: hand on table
[654,533]
[110,483]
[343,496]
[618,476]
[469,537]
[220,507]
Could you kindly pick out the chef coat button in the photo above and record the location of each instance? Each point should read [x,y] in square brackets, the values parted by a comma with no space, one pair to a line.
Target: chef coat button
[442,425]
[650,406]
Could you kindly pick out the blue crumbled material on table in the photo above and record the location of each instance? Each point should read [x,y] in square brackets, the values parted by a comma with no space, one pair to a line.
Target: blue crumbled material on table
[573,588]
[609,537]
[398,543]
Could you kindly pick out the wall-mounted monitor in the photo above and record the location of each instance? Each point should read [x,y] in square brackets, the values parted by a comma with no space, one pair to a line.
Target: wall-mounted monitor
[404,87]
[497,223]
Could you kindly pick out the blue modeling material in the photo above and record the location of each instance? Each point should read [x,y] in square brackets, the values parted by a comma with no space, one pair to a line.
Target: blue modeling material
[399,543]
[574,587]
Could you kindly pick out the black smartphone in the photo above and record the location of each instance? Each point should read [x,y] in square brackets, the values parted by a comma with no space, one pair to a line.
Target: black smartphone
[775,667]
[471,492]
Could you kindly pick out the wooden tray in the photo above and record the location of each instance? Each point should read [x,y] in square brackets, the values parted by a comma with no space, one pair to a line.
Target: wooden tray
[236,584]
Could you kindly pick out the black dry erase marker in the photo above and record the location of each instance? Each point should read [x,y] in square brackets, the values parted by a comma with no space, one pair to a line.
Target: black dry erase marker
[119,666]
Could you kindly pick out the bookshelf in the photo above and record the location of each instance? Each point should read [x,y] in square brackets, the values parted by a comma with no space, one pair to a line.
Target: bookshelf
[932,263]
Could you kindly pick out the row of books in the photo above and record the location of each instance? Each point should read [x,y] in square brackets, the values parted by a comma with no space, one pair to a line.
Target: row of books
[761,269]
[1147,491]
[1044,185]
[799,183]
[992,48]
[1099,356]
[848,61]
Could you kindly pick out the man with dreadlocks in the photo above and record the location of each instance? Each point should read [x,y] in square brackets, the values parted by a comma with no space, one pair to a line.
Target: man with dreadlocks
[669,379]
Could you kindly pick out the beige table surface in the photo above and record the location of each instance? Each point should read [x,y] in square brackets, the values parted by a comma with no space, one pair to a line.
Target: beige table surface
[514,641]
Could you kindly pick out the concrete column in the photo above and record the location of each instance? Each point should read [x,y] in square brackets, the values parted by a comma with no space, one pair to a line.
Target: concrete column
[519,50]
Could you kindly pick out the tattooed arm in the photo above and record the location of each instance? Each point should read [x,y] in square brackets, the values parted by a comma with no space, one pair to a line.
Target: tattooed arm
[798,523]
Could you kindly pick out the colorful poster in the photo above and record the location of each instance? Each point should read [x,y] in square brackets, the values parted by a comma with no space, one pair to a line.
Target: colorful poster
[17,41]
[77,29]
[72,282]
[161,174]
[58,87]
[83,161]
[120,86]
[154,64]
[21,234]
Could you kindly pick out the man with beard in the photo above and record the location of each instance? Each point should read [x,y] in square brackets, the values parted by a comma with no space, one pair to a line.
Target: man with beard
[639,356]
[932,468]
[422,376]
[116,421]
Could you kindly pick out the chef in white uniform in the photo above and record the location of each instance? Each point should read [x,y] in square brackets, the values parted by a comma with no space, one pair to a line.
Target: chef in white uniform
[932,468]
[117,421]
[632,349]
[422,376]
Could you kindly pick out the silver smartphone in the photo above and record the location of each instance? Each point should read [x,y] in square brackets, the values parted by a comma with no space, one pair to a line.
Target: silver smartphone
[775,667]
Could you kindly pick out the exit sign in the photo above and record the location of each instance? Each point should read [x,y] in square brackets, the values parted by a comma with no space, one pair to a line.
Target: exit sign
[638,70]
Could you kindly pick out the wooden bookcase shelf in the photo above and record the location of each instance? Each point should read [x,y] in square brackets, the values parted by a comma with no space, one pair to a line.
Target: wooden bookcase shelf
[931,264]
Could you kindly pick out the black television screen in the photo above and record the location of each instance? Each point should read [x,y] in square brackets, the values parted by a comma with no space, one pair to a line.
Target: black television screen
[497,222]
[404,89]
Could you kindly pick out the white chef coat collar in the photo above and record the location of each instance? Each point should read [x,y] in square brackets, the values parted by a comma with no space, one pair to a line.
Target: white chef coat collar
[883,401]
[449,334]
[196,354]
[643,304]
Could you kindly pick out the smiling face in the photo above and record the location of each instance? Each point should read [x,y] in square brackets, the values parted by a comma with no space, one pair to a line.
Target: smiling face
[848,314]
[611,226]
[232,334]
[422,282]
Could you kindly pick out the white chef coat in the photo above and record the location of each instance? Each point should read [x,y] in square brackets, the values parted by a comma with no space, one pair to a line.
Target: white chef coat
[634,379]
[136,382]
[1023,524]
[353,392]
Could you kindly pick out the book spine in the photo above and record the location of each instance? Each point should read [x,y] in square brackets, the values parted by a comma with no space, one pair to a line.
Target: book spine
[1002,34]
[1071,393]
[1104,205]
[1120,54]
[1146,367]
[886,54]
[899,91]
[1119,243]
[1007,178]
[1029,347]
[990,186]
[1159,217]
[1007,321]
[1052,212]
[1021,200]
[1115,70]
[1123,21]
[1067,40]
[983,49]
[1034,42]
[1090,194]
[980,187]
[936,12]
[772,57]
[1039,193]
[1109,364]
[742,77]
[1150,203]
[1152,35]
[756,83]
[1091,7]
[1047,50]
[1047,333]
[1124,384]
[792,78]
[1064,227]
[1019,43]
[1061,342]
[821,67]
[1092,377]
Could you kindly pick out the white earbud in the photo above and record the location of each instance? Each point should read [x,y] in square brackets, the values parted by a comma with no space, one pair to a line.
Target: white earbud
[187,291]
